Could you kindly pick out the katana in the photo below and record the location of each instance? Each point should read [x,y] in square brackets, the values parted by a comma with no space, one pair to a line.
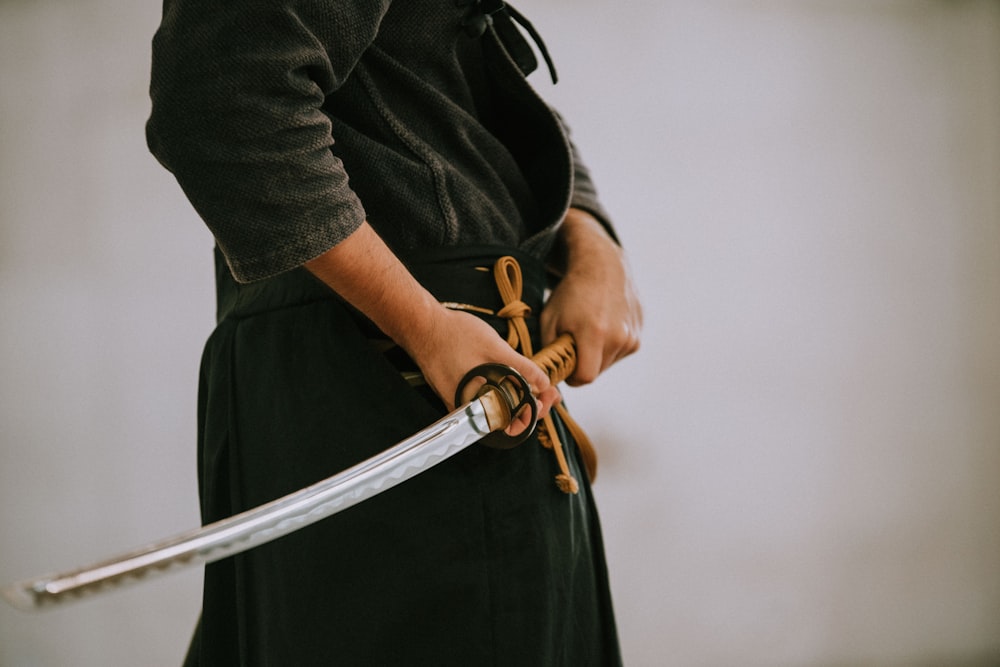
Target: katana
[501,396]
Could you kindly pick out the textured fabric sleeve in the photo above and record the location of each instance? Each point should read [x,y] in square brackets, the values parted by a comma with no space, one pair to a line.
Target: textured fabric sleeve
[584,194]
[237,89]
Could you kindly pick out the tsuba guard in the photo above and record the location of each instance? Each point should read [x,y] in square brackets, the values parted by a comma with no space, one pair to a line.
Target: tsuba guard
[515,392]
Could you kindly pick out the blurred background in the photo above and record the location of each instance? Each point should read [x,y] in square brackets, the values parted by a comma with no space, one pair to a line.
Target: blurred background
[802,466]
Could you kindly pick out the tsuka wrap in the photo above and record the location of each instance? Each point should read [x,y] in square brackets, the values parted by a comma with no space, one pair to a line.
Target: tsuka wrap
[557,359]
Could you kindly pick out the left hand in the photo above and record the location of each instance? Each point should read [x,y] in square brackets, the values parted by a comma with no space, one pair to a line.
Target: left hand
[444,343]
[595,300]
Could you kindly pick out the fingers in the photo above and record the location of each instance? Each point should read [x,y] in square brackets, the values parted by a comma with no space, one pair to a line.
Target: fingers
[547,400]
[603,315]
[601,339]
[464,342]
[544,401]
[546,395]
[598,349]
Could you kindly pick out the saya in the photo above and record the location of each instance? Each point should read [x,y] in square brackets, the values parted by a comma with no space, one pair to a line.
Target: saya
[501,397]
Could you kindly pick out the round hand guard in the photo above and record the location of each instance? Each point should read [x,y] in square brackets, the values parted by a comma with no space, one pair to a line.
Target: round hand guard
[510,396]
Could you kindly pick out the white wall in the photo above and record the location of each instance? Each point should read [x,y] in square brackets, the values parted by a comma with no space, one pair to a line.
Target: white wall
[105,301]
[801,466]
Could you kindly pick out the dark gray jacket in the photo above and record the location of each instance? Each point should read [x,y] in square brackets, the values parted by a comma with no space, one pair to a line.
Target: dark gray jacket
[288,123]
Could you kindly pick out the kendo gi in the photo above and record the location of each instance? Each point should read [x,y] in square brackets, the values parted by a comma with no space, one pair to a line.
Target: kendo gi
[288,124]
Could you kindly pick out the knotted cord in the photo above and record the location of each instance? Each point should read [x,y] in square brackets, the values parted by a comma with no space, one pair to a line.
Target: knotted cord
[555,359]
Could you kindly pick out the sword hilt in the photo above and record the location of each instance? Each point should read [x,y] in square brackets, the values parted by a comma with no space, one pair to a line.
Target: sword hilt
[506,395]
[558,358]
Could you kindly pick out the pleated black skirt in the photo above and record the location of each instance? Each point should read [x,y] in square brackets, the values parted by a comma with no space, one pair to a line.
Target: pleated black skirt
[481,560]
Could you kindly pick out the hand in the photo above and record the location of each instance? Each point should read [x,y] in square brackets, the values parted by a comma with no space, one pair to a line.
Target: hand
[595,300]
[445,344]
[456,342]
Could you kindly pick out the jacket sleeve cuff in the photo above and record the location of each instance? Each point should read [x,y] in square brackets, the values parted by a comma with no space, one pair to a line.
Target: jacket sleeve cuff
[289,252]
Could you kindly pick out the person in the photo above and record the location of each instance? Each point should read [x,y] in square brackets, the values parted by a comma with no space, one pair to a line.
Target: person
[364,168]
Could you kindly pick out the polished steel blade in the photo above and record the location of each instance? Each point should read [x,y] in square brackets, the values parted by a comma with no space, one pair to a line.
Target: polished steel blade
[439,441]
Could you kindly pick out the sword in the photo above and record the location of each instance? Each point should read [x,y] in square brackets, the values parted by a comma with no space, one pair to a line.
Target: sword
[501,395]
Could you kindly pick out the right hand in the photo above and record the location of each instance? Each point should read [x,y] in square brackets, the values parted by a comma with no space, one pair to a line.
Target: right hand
[445,344]
[454,342]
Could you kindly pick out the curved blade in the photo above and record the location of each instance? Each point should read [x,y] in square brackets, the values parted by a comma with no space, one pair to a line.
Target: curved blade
[491,412]
[439,441]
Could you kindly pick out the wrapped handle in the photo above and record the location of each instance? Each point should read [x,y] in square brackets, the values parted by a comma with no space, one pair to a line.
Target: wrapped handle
[558,358]
[506,395]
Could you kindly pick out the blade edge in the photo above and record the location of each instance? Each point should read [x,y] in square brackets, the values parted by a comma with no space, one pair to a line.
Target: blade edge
[426,448]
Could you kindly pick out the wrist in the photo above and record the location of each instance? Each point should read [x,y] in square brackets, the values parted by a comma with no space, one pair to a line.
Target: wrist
[415,332]
[581,239]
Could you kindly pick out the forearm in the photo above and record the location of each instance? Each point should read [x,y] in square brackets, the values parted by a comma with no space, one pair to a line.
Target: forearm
[445,344]
[580,236]
[366,274]
[595,299]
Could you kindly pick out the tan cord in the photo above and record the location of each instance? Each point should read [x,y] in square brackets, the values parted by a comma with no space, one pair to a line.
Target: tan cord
[587,451]
[556,359]
[507,273]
